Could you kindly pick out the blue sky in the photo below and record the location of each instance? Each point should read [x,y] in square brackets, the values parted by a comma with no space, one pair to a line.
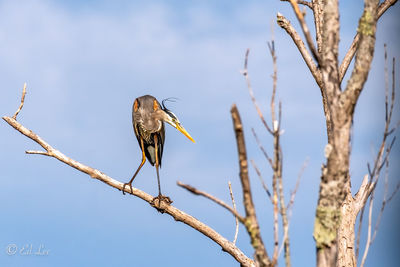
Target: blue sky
[85,63]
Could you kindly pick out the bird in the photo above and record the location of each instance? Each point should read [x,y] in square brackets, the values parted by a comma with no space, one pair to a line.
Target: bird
[148,118]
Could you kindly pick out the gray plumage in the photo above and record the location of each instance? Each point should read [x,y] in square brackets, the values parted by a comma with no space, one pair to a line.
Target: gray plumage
[147,124]
[148,118]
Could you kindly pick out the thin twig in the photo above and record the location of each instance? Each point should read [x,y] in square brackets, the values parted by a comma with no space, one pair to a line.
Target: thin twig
[271,47]
[277,184]
[359,231]
[253,99]
[296,187]
[381,160]
[360,201]
[22,102]
[394,192]
[285,236]
[386,156]
[382,157]
[315,71]
[305,29]
[212,198]
[236,218]
[262,181]
[368,243]
[386,83]
[384,201]
[261,147]
[304,3]
[44,153]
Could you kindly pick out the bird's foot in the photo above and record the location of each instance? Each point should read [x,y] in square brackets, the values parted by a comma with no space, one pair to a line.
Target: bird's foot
[123,188]
[156,202]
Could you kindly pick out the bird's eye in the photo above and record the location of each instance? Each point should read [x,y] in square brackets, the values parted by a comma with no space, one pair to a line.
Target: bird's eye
[172,115]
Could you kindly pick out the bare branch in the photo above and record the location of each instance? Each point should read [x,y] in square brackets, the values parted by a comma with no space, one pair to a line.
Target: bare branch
[287,26]
[359,231]
[37,152]
[315,71]
[252,226]
[177,214]
[253,99]
[22,102]
[364,56]
[362,195]
[384,201]
[330,66]
[277,183]
[386,84]
[304,3]
[382,156]
[318,21]
[262,181]
[353,47]
[261,147]
[277,187]
[296,187]
[305,29]
[393,90]
[271,47]
[368,243]
[236,218]
[212,198]
[394,192]
[276,226]
[381,160]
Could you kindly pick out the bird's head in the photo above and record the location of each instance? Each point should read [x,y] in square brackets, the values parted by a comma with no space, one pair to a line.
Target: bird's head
[172,119]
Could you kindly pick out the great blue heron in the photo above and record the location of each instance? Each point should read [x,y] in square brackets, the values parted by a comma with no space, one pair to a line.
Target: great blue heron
[148,118]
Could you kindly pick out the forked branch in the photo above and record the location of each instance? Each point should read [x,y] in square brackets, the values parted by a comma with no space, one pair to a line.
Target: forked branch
[381,160]
[305,29]
[287,26]
[353,47]
[276,196]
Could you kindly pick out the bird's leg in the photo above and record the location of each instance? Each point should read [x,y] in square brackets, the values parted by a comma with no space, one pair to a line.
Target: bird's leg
[160,197]
[137,171]
[158,178]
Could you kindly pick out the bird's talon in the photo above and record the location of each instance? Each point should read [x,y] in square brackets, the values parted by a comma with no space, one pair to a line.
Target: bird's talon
[156,202]
[123,188]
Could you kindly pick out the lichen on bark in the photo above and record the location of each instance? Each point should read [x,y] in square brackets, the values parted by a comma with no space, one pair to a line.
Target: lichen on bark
[326,223]
[366,24]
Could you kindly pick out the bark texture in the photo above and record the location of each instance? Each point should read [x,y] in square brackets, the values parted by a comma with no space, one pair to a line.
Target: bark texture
[337,209]
[260,254]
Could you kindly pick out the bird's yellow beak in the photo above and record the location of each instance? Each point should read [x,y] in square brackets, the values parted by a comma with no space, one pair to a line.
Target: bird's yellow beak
[179,127]
[171,118]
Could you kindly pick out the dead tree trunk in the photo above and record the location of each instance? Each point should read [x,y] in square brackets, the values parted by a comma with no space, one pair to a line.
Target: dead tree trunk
[337,209]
